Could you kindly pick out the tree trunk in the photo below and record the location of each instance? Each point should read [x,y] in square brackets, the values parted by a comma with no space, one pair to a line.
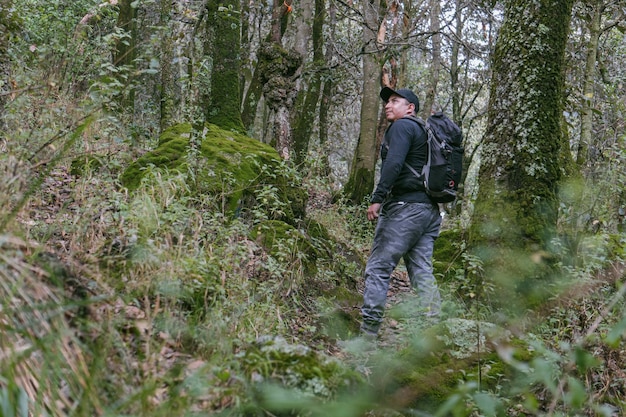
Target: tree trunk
[252,94]
[454,64]
[309,97]
[327,90]
[435,63]
[586,122]
[251,99]
[362,171]
[278,67]
[167,89]
[224,108]
[515,213]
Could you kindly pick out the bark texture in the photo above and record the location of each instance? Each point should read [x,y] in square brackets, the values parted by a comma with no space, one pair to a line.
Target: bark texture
[309,97]
[361,180]
[522,161]
[277,68]
[167,89]
[224,109]
[586,128]
[435,63]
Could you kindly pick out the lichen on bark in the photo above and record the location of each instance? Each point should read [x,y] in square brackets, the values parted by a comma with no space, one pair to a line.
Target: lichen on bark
[516,209]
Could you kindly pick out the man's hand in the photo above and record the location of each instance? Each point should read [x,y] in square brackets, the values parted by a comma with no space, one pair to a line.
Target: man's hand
[372,211]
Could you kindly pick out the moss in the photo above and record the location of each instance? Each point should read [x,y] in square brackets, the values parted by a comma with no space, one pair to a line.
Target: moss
[276,61]
[179,131]
[446,354]
[274,360]
[343,320]
[84,164]
[230,166]
[616,246]
[318,234]
[447,254]
[359,185]
[173,145]
[286,243]
[515,214]
[224,20]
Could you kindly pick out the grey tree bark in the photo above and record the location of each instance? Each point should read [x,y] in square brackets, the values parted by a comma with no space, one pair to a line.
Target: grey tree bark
[524,150]
[362,171]
[223,28]
[167,89]
[435,63]
[586,122]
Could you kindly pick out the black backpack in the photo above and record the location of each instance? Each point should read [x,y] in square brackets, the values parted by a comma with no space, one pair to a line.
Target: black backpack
[442,172]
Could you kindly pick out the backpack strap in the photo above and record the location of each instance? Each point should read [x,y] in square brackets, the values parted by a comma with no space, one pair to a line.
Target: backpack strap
[429,134]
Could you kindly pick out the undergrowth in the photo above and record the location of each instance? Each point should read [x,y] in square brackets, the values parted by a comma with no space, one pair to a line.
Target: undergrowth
[169,308]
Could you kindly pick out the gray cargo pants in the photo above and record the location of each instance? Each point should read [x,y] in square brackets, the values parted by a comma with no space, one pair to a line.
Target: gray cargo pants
[404,231]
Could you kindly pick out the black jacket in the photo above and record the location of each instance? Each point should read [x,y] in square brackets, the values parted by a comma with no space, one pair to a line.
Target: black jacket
[405,141]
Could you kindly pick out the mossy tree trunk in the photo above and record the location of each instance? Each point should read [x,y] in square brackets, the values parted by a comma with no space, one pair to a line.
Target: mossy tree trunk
[223,26]
[586,125]
[253,93]
[278,69]
[327,92]
[515,213]
[167,89]
[309,97]
[362,171]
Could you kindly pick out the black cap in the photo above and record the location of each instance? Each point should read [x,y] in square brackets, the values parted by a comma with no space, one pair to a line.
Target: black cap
[386,92]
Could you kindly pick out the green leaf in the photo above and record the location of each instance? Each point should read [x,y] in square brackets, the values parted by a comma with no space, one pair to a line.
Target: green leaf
[584,360]
[22,403]
[614,337]
[449,405]
[576,394]
[487,404]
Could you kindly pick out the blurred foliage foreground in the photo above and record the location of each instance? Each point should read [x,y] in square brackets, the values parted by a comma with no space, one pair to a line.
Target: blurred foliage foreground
[215,279]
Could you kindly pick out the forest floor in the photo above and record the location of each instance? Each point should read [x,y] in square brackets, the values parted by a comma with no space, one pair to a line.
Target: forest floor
[56,200]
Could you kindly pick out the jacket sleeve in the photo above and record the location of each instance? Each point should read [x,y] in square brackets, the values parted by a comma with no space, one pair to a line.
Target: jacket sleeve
[398,136]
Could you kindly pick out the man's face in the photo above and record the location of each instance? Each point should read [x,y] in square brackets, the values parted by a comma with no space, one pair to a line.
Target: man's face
[398,107]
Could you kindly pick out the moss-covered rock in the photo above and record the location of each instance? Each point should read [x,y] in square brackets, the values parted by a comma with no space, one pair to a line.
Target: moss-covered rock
[233,167]
[447,254]
[440,357]
[287,244]
[343,320]
[272,360]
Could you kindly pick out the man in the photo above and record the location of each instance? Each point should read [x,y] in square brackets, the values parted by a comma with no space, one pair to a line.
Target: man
[408,222]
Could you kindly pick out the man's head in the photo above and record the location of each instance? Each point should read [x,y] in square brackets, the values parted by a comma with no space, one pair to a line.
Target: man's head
[399,103]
